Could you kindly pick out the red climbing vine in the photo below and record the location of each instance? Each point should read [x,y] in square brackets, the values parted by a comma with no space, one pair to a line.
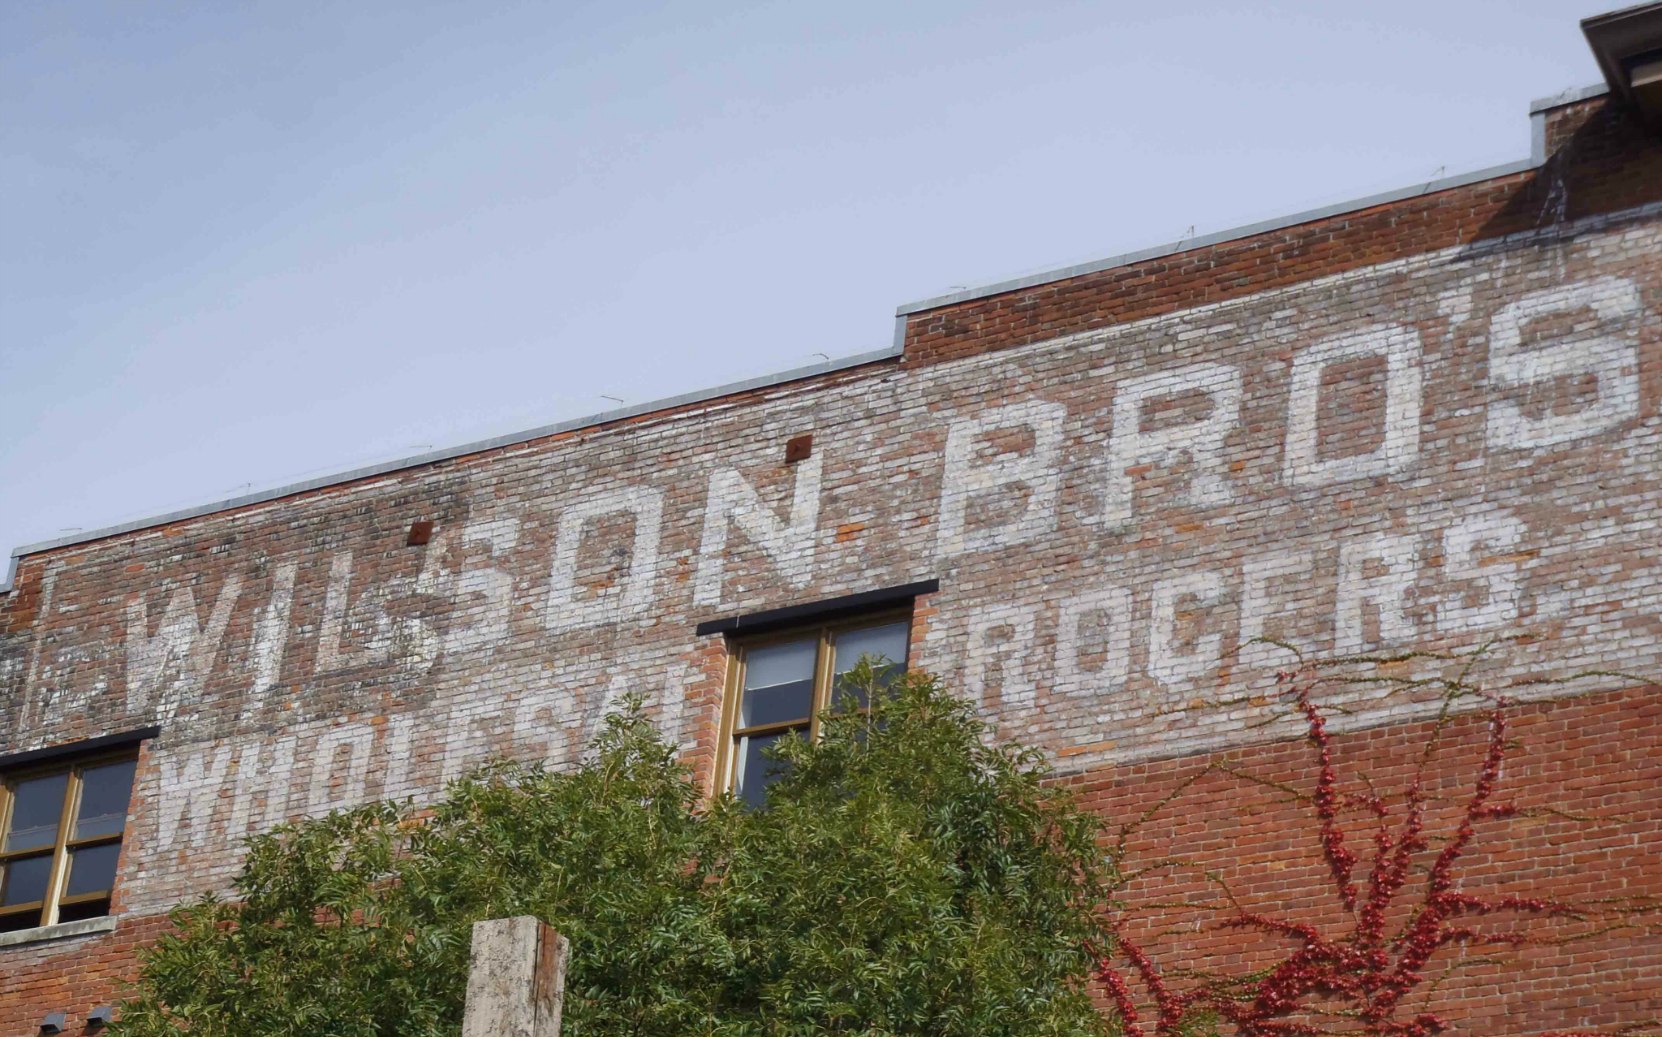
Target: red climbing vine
[1400,912]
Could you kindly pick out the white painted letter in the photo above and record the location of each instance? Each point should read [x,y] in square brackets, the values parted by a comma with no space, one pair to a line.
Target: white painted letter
[733,501]
[192,778]
[494,589]
[967,477]
[271,635]
[1262,576]
[1002,636]
[1377,570]
[1201,440]
[1610,359]
[1166,663]
[538,716]
[331,654]
[179,639]
[265,780]
[328,788]
[634,592]
[1466,545]
[1398,448]
[999,637]
[1110,607]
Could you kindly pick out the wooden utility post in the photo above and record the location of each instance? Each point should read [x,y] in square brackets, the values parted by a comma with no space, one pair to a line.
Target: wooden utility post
[516,979]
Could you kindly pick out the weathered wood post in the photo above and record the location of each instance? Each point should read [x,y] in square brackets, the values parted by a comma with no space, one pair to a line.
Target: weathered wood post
[516,979]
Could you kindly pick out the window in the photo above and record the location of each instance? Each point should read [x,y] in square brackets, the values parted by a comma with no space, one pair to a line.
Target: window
[60,838]
[781,683]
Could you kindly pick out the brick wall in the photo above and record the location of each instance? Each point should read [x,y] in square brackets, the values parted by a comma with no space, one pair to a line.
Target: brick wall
[1582,773]
[1429,424]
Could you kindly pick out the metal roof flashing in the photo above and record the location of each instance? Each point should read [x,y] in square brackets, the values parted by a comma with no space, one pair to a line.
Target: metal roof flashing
[1574,95]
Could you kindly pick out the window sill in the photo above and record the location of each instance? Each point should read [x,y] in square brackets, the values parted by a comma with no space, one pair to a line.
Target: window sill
[58,932]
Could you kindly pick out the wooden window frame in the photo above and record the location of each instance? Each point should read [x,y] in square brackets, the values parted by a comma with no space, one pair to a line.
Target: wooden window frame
[47,909]
[739,649]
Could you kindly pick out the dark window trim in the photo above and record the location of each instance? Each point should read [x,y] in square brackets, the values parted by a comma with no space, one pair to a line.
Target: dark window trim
[816,611]
[85,745]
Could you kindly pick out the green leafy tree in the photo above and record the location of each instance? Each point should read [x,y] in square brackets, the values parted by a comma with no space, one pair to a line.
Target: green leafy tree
[907,877]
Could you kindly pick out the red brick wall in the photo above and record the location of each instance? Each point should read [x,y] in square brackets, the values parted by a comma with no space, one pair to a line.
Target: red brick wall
[1584,774]
[72,976]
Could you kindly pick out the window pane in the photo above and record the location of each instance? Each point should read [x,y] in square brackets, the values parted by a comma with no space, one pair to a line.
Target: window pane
[25,880]
[104,793]
[752,774]
[92,869]
[37,806]
[29,919]
[886,643]
[778,683]
[85,909]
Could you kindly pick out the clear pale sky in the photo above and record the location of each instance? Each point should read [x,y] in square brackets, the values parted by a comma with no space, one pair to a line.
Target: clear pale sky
[243,244]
